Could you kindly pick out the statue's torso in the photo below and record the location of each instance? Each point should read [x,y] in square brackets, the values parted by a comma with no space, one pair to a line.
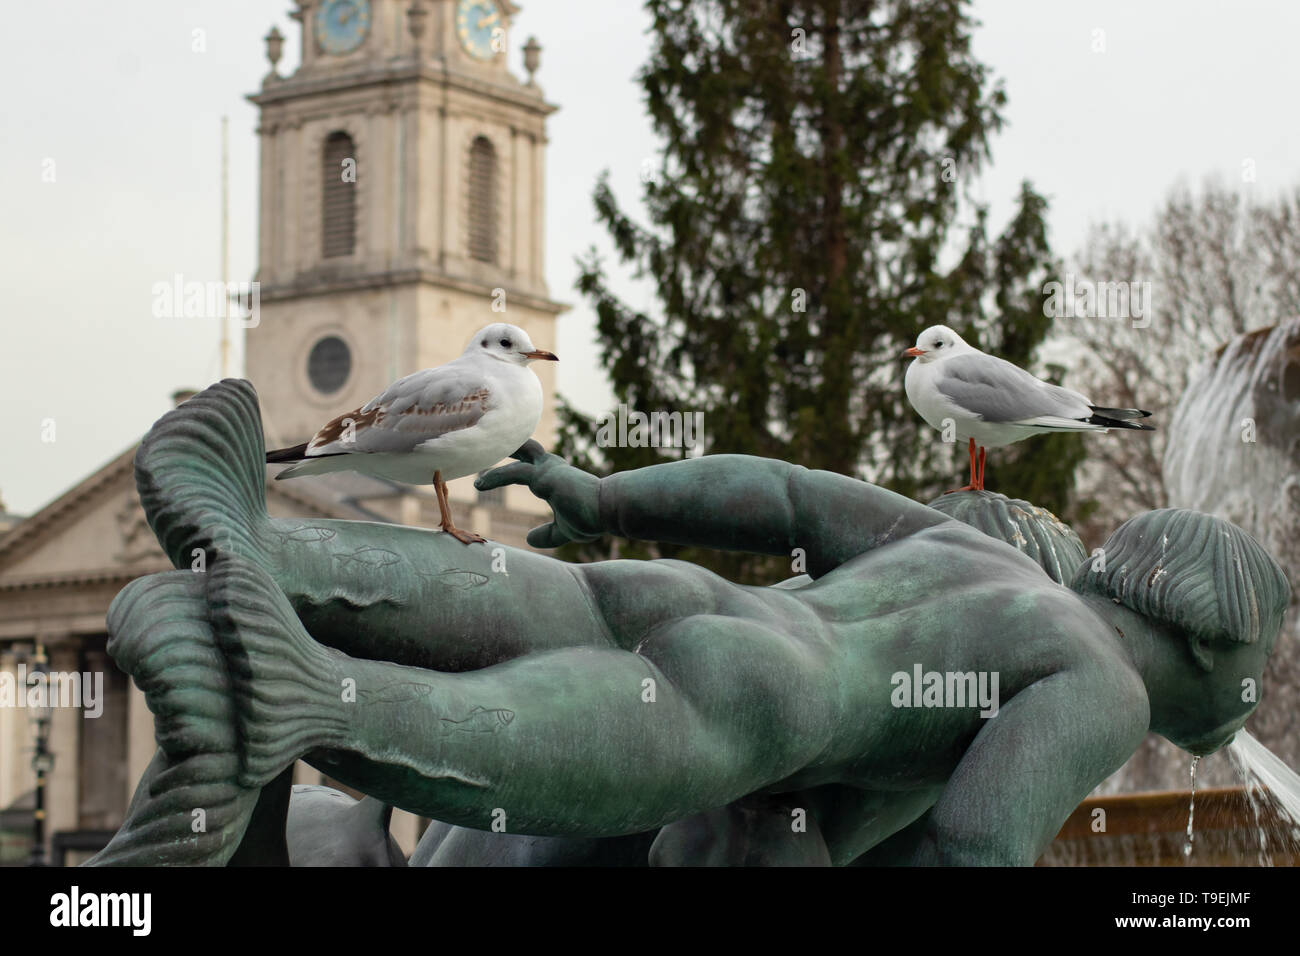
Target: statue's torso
[950,602]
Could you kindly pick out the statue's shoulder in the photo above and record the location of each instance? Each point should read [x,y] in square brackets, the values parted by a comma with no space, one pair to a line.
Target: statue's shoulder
[1090,646]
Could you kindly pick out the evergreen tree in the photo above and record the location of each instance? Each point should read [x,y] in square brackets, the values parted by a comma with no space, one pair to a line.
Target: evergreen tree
[815,155]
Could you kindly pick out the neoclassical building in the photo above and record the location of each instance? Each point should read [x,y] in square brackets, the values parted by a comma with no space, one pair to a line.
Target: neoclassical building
[401,209]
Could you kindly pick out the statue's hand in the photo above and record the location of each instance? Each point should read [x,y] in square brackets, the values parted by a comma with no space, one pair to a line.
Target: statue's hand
[572,494]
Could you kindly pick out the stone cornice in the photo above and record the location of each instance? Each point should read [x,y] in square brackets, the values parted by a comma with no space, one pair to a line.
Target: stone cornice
[298,86]
[81,578]
[316,284]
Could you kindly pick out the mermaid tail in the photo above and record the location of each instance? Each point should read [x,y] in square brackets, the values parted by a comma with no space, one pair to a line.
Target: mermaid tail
[225,666]
[189,809]
[202,479]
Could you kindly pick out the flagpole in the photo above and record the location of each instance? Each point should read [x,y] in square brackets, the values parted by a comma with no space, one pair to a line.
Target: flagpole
[225,245]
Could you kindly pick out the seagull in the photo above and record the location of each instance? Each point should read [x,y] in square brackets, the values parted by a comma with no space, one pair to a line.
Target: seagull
[991,402]
[438,424]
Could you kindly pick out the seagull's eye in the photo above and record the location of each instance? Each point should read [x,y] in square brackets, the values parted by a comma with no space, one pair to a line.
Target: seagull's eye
[938,344]
[506,343]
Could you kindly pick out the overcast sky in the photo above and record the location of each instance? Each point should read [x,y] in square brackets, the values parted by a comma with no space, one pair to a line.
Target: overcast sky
[114,95]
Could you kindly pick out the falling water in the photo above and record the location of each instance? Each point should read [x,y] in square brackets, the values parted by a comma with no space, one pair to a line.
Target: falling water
[1191,811]
[1273,790]
[1241,414]
[1257,797]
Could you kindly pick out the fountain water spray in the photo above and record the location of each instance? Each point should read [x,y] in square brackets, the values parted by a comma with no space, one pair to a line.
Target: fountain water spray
[1269,782]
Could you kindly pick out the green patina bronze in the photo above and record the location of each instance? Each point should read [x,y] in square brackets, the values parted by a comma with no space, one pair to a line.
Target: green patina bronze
[840,719]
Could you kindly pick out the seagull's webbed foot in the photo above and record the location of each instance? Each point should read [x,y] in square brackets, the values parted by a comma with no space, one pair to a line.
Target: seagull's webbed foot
[444,509]
[464,537]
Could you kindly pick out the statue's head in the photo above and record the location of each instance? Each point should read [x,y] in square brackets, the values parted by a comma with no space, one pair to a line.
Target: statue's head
[1219,596]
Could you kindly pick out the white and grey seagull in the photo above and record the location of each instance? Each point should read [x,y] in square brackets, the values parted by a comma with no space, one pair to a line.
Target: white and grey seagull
[991,402]
[438,424]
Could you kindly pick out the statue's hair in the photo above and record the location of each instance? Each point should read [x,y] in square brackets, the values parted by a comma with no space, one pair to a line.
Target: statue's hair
[1201,574]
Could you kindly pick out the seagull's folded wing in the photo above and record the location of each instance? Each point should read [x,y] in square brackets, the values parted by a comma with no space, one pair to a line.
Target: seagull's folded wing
[1000,392]
[410,412]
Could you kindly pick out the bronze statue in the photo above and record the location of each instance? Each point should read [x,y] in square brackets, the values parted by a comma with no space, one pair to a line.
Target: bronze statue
[847,720]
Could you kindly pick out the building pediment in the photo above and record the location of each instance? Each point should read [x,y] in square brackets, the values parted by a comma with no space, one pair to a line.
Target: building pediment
[96,531]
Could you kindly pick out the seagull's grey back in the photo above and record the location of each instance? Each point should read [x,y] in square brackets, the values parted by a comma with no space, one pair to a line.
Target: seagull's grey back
[424,405]
[998,391]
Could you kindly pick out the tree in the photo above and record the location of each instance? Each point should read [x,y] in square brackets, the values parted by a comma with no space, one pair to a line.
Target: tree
[1218,266]
[812,173]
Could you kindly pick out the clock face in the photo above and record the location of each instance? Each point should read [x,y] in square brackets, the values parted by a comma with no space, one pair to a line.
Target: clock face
[342,25]
[478,22]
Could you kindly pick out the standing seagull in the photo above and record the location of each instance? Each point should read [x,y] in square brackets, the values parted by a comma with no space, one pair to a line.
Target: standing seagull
[991,402]
[438,424]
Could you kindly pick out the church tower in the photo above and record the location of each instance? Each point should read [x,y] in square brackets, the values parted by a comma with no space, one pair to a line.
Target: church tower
[402,186]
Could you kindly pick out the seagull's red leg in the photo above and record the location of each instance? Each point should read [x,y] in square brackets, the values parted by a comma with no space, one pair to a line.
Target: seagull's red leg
[444,509]
[980,484]
[438,493]
[972,485]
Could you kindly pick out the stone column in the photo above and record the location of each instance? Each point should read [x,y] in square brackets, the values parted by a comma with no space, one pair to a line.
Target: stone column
[266,251]
[63,786]
[410,195]
[140,743]
[520,176]
[537,280]
[293,170]
[16,776]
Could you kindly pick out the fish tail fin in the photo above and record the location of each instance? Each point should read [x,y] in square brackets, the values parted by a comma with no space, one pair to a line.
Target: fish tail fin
[201,475]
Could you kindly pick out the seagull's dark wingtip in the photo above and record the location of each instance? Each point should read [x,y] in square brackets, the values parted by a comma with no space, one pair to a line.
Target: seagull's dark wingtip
[1107,422]
[296,453]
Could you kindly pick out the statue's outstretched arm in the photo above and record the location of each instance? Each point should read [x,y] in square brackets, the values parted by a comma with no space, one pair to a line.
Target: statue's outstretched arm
[729,502]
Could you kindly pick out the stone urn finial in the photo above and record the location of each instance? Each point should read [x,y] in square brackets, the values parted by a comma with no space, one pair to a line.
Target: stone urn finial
[274,48]
[416,16]
[532,58]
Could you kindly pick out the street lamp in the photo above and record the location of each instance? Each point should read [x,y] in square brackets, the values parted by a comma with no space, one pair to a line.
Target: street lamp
[42,758]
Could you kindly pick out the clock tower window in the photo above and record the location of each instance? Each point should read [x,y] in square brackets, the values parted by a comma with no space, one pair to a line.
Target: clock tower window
[339,199]
[483,200]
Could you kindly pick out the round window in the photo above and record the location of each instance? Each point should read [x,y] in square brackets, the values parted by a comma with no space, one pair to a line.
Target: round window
[329,363]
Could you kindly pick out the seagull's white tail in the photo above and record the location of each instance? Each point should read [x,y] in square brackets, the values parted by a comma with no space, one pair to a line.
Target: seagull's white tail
[317,466]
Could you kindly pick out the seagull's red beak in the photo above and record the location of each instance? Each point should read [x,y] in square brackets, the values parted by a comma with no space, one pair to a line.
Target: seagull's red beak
[913,352]
[542,354]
